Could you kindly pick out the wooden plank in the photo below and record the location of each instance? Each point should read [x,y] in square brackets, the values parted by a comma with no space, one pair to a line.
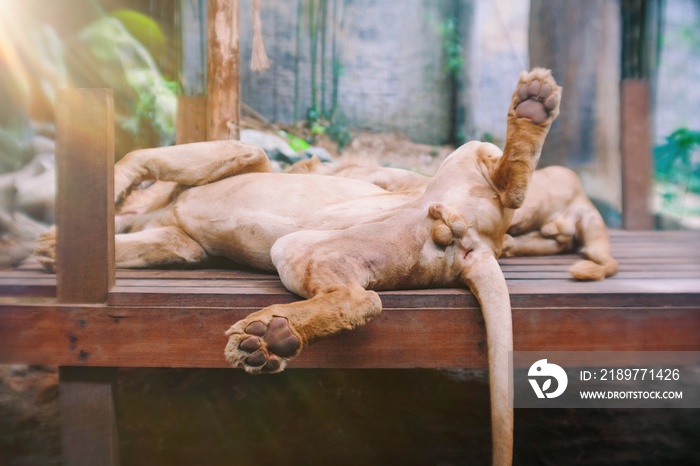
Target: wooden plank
[184,284]
[84,194]
[563,292]
[214,274]
[606,329]
[690,266]
[204,282]
[223,70]
[254,297]
[673,257]
[27,288]
[636,154]
[88,416]
[399,338]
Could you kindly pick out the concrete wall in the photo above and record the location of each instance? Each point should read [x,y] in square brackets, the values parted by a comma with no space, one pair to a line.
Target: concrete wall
[580,43]
[390,53]
[393,77]
[677,92]
[497,41]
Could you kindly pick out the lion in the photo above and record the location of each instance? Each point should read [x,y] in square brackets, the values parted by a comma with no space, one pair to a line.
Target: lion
[336,241]
[556,217]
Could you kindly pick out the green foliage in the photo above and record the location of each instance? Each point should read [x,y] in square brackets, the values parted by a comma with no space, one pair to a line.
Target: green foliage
[333,127]
[339,133]
[690,34]
[296,143]
[148,111]
[144,29]
[451,46]
[14,147]
[674,162]
[148,100]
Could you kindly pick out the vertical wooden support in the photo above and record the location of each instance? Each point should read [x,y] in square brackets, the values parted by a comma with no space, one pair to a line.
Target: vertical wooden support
[191,120]
[223,70]
[636,155]
[88,416]
[84,195]
[85,263]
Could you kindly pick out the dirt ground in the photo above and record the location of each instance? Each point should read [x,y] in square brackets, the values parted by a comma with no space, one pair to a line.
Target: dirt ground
[388,149]
[340,417]
[397,151]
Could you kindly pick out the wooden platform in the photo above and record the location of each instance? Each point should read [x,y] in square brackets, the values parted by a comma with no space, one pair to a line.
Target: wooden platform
[177,318]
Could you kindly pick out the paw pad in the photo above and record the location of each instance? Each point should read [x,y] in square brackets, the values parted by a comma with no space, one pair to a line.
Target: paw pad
[264,345]
[537,101]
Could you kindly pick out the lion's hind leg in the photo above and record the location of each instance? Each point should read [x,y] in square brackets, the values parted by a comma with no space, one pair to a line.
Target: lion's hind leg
[162,246]
[596,248]
[316,265]
[533,244]
[265,341]
[193,164]
[152,247]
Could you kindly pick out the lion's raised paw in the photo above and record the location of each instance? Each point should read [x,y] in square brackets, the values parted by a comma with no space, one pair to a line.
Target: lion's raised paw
[538,97]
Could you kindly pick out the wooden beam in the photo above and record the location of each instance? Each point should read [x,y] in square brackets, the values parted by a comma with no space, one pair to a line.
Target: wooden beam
[101,336]
[88,416]
[223,70]
[84,195]
[636,155]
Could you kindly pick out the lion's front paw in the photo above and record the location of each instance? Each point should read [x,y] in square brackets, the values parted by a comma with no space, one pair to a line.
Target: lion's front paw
[537,97]
[261,344]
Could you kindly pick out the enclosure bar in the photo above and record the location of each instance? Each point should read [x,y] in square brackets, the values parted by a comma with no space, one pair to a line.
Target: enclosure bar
[89,434]
[636,155]
[84,195]
[223,70]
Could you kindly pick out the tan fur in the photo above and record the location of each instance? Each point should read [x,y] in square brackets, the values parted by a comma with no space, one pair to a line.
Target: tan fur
[391,179]
[556,216]
[335,240]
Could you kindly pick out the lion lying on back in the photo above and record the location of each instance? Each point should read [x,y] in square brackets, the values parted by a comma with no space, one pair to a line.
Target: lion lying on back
[556,217]
[336,241]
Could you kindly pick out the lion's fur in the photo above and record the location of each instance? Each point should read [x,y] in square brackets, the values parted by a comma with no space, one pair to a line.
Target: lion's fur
[556,216]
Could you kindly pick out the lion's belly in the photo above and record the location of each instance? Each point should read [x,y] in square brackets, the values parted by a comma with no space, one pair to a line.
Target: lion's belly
[242,217]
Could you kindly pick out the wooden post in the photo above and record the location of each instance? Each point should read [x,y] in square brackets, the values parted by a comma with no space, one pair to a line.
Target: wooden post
[84,195]
[191,119]
[88,416]
[223,70]
[85,263]
[636,155]
[641,29]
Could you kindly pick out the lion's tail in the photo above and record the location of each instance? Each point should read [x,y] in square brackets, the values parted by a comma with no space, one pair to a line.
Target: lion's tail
[596,248]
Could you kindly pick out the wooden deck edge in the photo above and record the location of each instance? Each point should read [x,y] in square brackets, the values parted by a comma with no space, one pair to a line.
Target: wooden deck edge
[398,338]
